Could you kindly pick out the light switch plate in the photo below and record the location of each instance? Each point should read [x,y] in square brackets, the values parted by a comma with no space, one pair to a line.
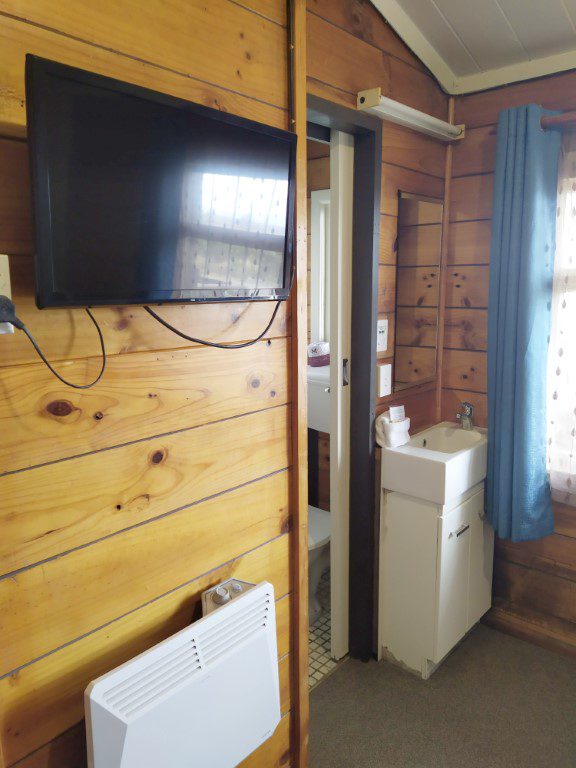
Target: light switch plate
[382,335]
[5,289]
[384,379]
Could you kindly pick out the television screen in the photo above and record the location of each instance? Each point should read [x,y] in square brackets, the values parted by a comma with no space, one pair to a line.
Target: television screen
[141,197]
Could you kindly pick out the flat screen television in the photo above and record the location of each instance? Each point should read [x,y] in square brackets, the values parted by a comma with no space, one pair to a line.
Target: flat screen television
[140,197]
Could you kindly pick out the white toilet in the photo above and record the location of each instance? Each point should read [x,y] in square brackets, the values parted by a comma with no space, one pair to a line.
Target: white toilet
[318,556]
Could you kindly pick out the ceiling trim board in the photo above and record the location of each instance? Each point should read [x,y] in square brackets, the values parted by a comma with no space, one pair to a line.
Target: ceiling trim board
[403,25]
[515,73]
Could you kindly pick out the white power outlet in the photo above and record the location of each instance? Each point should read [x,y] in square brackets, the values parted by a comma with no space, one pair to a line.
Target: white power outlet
[382,335]
[5,289]
[384,380]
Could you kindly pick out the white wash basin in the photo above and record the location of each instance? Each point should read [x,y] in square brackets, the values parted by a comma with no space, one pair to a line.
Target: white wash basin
[436,465]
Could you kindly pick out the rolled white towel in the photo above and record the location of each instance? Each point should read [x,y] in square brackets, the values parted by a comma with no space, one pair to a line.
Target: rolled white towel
[392,434]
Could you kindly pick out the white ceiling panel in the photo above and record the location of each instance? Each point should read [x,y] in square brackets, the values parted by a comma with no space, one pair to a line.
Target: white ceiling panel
[570,8]
[472,45]
[484,30]
[542,27]
[428,16]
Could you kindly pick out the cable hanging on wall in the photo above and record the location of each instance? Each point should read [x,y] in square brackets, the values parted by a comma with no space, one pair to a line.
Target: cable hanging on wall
[8,315]
[219,345]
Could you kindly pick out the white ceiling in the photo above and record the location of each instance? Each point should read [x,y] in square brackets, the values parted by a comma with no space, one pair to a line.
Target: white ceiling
[471,45]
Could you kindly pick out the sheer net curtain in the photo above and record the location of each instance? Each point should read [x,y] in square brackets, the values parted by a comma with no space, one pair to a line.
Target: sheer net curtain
[562,349]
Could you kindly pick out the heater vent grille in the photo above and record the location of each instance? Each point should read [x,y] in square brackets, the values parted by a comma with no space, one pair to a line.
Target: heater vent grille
[134,693]
[209,695]
[225,637]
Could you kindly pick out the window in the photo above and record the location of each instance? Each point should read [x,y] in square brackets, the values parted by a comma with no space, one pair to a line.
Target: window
[562,349]
[320,265]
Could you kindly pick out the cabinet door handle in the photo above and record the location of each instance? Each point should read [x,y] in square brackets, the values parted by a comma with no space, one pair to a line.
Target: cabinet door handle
[461,530]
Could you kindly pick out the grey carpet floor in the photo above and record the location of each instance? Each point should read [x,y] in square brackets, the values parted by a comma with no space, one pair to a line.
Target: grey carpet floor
[495,702]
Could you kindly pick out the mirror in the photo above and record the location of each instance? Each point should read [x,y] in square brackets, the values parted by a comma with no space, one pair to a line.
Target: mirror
[417,289]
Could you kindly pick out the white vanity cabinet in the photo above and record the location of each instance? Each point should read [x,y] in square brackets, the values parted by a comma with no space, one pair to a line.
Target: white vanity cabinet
[435,575]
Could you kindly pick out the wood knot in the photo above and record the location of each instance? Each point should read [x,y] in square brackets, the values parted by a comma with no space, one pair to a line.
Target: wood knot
[272,393]
[255,383]
[98,415]
[60,408]
[157,457]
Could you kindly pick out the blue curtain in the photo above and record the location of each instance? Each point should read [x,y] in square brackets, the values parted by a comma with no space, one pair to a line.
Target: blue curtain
[521,272]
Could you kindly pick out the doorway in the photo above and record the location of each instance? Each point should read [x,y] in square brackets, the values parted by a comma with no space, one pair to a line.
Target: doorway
[349,289]
[330,188]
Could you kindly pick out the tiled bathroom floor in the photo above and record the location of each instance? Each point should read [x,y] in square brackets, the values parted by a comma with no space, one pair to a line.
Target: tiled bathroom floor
[320,663]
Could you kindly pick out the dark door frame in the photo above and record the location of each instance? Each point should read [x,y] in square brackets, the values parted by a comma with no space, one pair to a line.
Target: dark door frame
[322,116]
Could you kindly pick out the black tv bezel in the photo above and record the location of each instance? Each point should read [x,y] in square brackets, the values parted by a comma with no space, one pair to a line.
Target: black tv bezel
[37,71]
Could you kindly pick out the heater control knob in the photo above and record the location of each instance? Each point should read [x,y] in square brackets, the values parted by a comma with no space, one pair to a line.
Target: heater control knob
[221,595]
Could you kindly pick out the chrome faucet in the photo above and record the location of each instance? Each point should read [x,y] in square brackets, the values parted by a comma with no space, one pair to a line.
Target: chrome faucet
[466,416]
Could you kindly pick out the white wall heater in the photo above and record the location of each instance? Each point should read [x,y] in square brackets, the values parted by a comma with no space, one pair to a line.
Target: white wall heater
[205,698]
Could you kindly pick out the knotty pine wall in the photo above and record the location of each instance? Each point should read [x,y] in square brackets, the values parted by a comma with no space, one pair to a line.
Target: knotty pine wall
[350,48]
[119,505]
[534,582]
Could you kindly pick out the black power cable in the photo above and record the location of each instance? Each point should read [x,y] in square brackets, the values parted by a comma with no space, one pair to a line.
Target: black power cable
[214,343]
[8,315]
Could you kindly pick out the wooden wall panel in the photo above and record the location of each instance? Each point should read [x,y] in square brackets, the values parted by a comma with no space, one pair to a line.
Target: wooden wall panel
[409,149]
[464,370]
[471,198]
[417,326]
[469,242]
[466,329]
[53,508]
[338,58]
[346,40]
[115,498]
[554,92]
[535,582]
[168,392]
[69,334]
[388,240]
[414,364]
[467,287]
[418,286]
[362,20]
[386,289]
[476,153]
[396,179]
[15,199]
[18,38]
[420,245]
[247,62]
[150,567]
[51,689]
[318,173]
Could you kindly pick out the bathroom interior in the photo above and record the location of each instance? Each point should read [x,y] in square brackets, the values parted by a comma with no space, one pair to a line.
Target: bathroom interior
[329,512]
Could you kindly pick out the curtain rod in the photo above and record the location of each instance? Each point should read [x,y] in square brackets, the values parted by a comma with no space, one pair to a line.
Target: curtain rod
[564,122]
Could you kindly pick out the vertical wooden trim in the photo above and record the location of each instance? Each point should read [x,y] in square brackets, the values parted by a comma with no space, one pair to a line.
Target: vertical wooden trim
[299,395]
[444,267]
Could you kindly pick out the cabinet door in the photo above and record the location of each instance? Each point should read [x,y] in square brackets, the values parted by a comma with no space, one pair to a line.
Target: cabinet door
[453,568]
[481,560]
